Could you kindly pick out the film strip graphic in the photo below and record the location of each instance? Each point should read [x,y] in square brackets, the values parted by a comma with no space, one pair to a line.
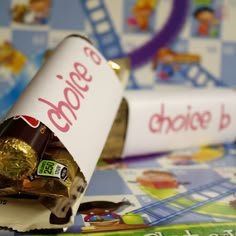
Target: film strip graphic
[103,29]
[109,44]
[108,41]
[172,207]
[199,76]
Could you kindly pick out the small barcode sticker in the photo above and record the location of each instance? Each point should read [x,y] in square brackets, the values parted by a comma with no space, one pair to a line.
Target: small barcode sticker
[52,169]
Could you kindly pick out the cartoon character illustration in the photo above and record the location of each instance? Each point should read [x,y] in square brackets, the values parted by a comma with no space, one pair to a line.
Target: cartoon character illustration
[166,58]
[36,12]
[101,216]
[101,211]
[142,11]
[168,62]
[11,58]
[207,21]
[18,12]
[157,179]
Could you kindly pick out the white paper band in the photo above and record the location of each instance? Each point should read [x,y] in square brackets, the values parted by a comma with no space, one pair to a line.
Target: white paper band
[169,120]
[76,94]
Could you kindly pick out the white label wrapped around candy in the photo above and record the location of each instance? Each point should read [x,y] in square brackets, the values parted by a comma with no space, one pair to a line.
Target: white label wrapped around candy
[76,95]
[165,120]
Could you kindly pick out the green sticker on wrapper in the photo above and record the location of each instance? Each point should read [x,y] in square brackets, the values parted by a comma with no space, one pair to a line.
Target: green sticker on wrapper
[52,169]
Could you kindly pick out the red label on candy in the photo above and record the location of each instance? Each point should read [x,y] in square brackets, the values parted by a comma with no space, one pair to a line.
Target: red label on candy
[29,120]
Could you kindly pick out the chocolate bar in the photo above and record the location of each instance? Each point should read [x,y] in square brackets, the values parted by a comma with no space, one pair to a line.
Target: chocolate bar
[153,121]
[116,139]
[22,143]
[54,175]
[51,172]
[47,181]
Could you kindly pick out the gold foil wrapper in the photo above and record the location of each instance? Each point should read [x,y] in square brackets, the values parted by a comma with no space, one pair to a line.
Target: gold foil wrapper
[18,160]
[116,139]
[43,169]
[115,142]
[57,194]
[51,185]
[121,66]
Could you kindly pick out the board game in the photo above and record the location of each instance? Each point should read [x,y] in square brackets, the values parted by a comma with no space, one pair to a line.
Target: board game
[177,190]
[168,42]
[183,187]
